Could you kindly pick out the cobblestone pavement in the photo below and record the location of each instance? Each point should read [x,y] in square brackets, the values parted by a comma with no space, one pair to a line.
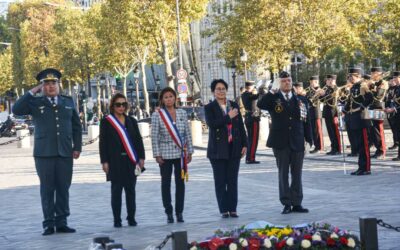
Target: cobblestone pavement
[331,196]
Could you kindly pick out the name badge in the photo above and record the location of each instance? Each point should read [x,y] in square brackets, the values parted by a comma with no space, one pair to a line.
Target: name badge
[68,107]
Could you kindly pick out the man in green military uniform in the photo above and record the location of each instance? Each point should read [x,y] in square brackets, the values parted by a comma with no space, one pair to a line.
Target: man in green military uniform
[58,140]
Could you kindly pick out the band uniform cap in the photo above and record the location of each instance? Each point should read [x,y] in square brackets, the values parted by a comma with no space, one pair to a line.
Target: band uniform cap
[298,84]
[49,74]
[396,73]
[284,74]
[355,71]
[330,76]
[314,78]
[249,83]
[376,69]
[367,77]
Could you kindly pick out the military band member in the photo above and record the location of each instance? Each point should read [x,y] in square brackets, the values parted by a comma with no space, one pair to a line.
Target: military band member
[58,140]
[378,88]
[359,99]
[290,128]
[389,104]
[330,113]
[252,121]
[313,95]
[394,108]
[298,88]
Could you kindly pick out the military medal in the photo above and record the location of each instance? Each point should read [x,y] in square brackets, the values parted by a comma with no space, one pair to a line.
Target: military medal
[41,109]
[278,108]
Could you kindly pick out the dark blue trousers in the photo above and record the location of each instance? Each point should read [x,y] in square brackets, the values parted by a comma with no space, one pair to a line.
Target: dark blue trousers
[226,174]
[55,174]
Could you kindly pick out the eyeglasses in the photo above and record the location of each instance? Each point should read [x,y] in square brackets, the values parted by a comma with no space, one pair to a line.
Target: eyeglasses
[121,104]
[220,89]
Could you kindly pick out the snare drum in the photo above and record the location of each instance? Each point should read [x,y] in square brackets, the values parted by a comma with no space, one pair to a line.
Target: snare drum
[378,115]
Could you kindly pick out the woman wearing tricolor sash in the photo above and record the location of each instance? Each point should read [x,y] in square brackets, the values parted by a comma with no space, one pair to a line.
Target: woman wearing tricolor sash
[122,157]
[227,144]
[172,148]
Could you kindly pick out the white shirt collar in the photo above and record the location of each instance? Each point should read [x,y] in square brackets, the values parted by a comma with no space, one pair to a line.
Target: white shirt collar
[55,99]
[289,93]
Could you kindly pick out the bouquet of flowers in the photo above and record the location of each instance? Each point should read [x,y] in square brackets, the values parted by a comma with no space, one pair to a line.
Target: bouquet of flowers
[314,237]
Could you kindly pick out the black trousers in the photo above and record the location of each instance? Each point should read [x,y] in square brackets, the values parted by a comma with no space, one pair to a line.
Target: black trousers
[378,136]
[226,173]
[166,173]
[354,139]
[395,131]
[286,159]
[129,186]
[318,138]
[253,131]
[332,126]
[55,175]
[364,157]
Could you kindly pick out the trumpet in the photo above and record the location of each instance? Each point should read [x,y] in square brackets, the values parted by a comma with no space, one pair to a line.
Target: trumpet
[342,93]
[314,96]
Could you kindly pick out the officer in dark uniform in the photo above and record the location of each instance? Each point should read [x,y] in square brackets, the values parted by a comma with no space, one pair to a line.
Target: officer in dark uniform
[290,128]
[378,88]
[313,95]
[252,121]
[359,99]
[393,108]
[58,140]
[389,103]
[330,113]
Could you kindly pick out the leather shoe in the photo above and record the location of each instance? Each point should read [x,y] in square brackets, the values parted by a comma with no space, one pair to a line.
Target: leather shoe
[48,231]
[225,215]
[393,147]
[396,159]
[117,224]
[287,209]
[252,162]
[299,209]
[362,172]
[233,215]
[314,151]
[179,218]
[352,155]
[132,223]
[355,172]
[170,218]
[65,229]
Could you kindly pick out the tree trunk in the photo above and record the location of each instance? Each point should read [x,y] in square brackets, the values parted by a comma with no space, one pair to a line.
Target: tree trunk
[145,93]
[98,98]
[124,84]
[166,59]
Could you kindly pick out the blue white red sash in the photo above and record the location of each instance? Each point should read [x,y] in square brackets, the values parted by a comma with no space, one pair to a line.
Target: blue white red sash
[179,141]
[125,139]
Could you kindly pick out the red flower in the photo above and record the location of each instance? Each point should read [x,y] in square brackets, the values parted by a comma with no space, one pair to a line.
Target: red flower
[280,245]
[228,241]
[254,244]
[308,237]
[330,242]
[204,245]
[215,243]
[343,240]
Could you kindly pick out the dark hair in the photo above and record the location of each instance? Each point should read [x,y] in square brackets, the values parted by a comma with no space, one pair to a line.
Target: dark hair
[215,82]
[163,92]
[114,99]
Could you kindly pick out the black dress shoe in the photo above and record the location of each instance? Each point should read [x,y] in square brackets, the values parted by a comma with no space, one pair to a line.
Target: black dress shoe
[287,209]
[299,209]
[352,155]
[396,159]
[65,229]
[48,231]
[330,153]
[117,224]
[314,151]
[132,223]
[233,215]
[393,147]
[252,162]
[225,215]
[179,218]
[170,218]
[355,172]
[363,172]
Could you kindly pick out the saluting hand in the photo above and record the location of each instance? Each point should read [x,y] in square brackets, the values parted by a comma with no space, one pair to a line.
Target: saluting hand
[37,89]
[233,113]
[244,150]
[106,168]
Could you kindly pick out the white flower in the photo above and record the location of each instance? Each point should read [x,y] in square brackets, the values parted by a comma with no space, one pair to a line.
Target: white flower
[267,243]
[334,236]
[290,241]
[193,248]
[233,246]
[305,244]
[243,242]
[351,243]
[316,237]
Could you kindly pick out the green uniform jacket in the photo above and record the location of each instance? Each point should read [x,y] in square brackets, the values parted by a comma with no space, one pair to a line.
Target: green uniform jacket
[58,129]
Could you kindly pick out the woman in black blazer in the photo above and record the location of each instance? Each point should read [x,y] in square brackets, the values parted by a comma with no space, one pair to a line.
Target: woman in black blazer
[117,164]
[227,144]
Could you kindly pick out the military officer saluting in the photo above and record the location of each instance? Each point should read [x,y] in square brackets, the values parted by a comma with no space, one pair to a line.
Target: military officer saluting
[252,121]
[58,140]
[378,88]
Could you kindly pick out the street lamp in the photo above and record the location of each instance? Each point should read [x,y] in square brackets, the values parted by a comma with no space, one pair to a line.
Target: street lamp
[243,59]
[102,89]
[136,74]
[234,79]
[130,89]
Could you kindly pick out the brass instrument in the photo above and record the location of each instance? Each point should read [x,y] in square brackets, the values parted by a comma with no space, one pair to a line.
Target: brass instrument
[342,93]
[315,95]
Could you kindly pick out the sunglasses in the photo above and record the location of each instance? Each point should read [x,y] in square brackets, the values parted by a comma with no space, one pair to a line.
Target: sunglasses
[121,104]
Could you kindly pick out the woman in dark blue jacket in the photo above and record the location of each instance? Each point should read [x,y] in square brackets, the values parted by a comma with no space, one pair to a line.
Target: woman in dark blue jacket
[226,146]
